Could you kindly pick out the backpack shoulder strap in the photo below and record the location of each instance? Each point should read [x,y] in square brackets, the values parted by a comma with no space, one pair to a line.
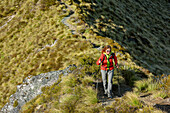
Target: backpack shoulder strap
[103,58]
[113,54]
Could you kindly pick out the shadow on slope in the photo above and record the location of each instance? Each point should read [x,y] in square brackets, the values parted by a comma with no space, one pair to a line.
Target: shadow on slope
[140,26]
[163,107]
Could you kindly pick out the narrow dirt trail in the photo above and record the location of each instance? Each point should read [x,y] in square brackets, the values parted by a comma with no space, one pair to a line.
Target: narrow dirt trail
[66,19]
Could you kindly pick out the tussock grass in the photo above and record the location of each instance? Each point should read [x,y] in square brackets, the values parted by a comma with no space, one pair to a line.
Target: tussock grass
[89,96]
[142,85]
[163,94]
[159,89]
[152,86]
[133,100]
[68,103]
[87,80]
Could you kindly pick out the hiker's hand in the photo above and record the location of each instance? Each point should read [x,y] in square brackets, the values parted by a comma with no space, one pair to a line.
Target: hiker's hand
[117,66]
[99,61]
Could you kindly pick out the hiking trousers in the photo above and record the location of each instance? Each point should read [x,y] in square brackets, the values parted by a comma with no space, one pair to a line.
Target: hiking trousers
[107,86]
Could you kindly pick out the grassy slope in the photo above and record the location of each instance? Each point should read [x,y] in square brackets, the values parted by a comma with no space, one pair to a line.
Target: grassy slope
[35,25]
[24,37]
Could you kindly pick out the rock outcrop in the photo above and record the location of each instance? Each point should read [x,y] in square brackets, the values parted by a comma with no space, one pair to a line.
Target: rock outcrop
[30,88]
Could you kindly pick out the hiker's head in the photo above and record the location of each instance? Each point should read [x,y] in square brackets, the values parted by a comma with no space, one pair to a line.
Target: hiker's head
[106,49]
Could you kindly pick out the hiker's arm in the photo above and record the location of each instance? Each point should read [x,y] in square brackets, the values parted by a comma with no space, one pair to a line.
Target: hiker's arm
[115,60]
[99,60]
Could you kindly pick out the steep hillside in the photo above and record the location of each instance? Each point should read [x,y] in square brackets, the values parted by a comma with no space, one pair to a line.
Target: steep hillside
[141,26]
[39,36]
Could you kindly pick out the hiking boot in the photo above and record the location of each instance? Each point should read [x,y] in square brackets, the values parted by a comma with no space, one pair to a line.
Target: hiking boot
[109,96]
[105,93]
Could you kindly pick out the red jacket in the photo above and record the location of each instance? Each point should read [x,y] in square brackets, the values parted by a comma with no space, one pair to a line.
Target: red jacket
[103,59]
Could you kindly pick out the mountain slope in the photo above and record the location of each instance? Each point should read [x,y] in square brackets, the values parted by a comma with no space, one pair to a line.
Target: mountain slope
[34,40]
[142,27]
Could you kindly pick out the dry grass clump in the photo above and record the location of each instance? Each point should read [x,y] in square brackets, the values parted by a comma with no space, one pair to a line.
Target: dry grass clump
[163,94]
[87,80]
[158,87]
[133,100]
[142,85]
[162,87]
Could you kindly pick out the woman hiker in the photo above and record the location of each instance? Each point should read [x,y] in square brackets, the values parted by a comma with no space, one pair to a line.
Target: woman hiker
[107,68]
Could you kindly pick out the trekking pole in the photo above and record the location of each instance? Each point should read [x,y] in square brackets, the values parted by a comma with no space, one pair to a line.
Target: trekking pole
[118,83]
[97,77]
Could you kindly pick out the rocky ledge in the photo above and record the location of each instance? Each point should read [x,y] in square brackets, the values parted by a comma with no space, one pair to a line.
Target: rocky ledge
[31,87]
